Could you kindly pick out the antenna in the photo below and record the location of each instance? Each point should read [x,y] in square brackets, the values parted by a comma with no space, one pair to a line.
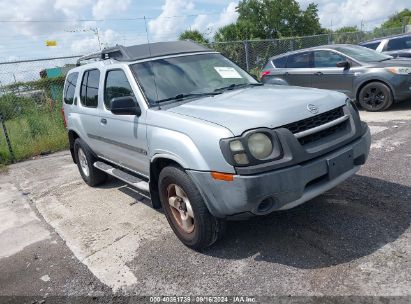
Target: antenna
[151,62]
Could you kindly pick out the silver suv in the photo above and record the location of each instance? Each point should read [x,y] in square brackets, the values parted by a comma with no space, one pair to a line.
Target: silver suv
[203,139]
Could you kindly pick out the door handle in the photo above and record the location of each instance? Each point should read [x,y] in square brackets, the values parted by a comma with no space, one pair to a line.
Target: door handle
[318,73]
[103,121]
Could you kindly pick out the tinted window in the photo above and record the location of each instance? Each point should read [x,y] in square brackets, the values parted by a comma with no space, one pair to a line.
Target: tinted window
[399,44]
[371,45]
[70,87]
[280,62]
[299,61]
[326,59]
[116,85]
[89,88]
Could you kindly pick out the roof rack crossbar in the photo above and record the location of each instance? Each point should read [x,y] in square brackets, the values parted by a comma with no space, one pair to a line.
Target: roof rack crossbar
[115,52]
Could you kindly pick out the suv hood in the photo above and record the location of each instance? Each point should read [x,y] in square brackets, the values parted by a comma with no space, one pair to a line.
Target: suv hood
[266,106]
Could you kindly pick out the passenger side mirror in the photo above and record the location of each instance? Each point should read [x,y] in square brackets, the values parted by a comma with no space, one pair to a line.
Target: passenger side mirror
[343,64]
[126,105]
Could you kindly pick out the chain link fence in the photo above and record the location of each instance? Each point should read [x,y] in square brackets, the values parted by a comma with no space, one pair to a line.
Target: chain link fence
[30,107]
[31,90]
[252,55]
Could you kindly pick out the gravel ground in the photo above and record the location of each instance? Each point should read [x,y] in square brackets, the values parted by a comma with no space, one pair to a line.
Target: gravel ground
[61,237]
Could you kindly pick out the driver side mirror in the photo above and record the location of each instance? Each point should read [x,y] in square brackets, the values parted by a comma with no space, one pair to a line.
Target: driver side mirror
[343,64]
[126,105]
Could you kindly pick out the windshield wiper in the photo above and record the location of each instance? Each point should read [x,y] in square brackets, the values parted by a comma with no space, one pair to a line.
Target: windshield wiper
[186,95]
[238,85]
[385,59]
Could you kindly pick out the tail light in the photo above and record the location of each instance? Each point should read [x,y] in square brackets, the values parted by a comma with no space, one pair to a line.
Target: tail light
[264,73]
[64,117]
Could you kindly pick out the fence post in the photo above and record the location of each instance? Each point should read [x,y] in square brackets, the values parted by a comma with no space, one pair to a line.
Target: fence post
[247,62]
[7,138]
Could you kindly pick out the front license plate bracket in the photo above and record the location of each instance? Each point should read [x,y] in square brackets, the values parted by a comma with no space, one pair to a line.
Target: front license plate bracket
[339,164]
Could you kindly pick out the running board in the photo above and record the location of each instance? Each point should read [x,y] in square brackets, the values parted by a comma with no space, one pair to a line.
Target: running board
[125,177]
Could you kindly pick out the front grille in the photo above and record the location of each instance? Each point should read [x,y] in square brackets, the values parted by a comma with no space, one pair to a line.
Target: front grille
[315,121]
[321,134]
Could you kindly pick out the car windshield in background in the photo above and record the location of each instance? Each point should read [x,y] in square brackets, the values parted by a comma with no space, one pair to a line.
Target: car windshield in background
[362,53]
[175,78]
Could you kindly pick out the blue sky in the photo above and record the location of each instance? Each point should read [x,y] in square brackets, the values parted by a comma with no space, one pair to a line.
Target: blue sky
[58,20]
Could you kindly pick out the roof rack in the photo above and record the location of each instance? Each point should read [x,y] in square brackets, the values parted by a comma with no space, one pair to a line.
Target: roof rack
[145,51]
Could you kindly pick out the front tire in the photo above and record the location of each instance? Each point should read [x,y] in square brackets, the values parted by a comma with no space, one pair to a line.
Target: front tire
[186,211]
[375,96]
[85,160]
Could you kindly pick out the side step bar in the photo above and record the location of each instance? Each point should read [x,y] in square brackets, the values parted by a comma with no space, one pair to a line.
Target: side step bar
[125,177]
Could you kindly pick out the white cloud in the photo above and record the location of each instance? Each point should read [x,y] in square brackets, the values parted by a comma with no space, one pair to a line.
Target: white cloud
[105,8]
[207,23]
[91,44]
[341,13]
[165,28]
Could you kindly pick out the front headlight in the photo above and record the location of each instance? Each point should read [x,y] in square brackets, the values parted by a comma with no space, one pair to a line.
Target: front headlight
[252,148]
[400,70]
[260,145]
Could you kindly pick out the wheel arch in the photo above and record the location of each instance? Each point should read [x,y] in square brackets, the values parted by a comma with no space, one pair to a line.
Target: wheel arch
[72,135]
[158,163]
[364,83]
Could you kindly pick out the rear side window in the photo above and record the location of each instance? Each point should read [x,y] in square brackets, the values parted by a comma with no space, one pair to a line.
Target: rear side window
[298,61]
[399,44]
[89,88]
[116,85]
[280,62]
[70,88]
[371,45]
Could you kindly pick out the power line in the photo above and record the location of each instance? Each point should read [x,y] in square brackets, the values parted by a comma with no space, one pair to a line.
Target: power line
[102,20]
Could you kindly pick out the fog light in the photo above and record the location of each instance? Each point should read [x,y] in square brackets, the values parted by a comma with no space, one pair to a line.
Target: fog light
[265,205]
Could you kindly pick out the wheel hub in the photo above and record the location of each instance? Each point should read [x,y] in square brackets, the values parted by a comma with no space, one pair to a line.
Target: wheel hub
[83,162]
[180,208]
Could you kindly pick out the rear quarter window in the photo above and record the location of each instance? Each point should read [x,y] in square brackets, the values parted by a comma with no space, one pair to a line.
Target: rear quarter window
[70,88]
[280,62]
[89,88]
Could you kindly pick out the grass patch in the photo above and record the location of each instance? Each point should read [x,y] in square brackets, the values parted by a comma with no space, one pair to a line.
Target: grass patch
[32,134]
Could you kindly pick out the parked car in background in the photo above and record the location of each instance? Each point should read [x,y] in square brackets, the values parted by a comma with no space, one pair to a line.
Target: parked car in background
[200,137]
[375,80]
[396,46]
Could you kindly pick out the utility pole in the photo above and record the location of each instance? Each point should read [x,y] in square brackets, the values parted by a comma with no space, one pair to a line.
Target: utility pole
[94,30]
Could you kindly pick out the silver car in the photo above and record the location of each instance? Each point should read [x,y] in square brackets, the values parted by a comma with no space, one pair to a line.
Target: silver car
[373,79]
[202,139]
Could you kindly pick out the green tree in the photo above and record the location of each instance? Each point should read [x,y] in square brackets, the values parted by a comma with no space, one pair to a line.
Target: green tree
[347,29]
[398,20]
[267,19]
[193,35]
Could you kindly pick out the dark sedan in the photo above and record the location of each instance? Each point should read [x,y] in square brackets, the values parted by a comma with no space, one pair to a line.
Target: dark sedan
[373,79]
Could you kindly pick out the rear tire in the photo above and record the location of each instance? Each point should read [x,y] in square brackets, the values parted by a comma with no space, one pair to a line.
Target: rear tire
[375,96]
[186,211]
[85,160]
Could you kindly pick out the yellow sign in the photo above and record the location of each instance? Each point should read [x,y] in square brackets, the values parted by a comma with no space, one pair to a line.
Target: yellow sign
[51,43]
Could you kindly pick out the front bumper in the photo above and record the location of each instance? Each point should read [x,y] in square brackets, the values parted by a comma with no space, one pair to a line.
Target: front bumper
[284,188]
[401,86]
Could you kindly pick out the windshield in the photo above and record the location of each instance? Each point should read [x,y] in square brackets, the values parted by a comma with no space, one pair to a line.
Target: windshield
[362,53]
[188,76]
